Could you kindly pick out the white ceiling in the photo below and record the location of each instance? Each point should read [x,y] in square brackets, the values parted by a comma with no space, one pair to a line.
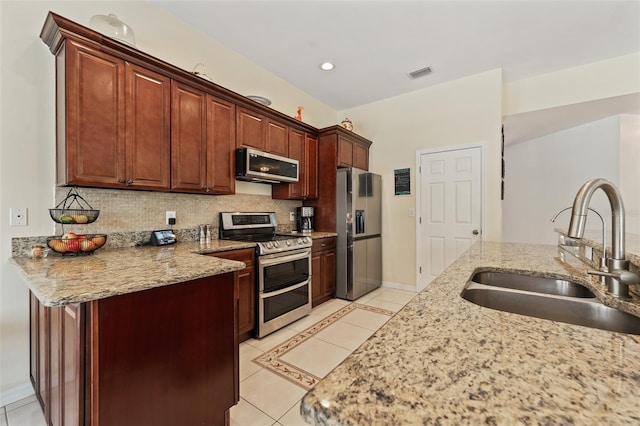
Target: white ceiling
[375,44]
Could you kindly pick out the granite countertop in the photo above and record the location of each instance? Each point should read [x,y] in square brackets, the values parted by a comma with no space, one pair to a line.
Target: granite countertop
[444,360]
[315,235]
[58,280]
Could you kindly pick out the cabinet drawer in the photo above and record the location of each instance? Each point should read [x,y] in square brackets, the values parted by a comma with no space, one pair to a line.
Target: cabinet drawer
[322,244]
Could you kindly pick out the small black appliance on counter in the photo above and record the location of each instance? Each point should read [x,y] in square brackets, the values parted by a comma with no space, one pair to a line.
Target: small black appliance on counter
[304,219]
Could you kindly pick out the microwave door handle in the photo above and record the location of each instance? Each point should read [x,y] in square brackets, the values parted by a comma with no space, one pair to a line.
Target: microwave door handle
[269,294]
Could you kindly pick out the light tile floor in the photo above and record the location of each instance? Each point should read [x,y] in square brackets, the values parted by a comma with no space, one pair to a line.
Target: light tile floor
[265,397]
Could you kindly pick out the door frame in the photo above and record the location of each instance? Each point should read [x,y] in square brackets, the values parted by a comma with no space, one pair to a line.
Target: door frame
[420,285]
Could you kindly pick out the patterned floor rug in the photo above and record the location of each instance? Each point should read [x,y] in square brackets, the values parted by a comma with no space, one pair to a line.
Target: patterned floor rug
[272,361]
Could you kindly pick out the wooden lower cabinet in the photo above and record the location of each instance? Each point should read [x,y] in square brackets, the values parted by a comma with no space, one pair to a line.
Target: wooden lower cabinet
[323,270]
[246,290]
[163,356]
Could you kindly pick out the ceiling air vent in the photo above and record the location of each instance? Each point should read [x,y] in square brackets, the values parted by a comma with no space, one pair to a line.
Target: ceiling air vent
[420,73]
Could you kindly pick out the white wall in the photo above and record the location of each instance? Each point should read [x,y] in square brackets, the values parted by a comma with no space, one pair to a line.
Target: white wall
[630,169]
[27,131]
[460,112]
[599,80]
[544,174]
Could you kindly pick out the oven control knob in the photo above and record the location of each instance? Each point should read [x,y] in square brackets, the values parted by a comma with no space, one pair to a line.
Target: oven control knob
[269,245]
[305,240]
[276,244]
[300,240]
[288,242]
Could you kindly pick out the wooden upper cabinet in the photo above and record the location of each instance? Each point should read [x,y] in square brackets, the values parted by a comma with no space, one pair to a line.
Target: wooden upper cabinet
[147,129]
[345,152]
[304,148]
[277,138]
[353,153]
[360,156]
[91,135]
[311,167]
[221,143]
[250,129]
[115,130]
[254,130]
[188,138]
[202,138]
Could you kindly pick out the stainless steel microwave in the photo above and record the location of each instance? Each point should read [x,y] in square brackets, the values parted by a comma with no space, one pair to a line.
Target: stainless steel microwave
[257,166]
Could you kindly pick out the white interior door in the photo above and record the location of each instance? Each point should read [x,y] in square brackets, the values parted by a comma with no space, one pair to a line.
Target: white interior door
[450,208]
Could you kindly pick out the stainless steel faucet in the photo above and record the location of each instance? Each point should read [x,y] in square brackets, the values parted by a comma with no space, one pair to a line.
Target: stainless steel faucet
[618,277]
[602,261]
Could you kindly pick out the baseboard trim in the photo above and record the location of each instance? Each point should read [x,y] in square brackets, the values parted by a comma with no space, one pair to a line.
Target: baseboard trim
[397,286]
[16,394]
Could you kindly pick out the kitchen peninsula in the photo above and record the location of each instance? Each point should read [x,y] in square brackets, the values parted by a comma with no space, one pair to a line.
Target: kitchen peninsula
[133,336]
[444,360]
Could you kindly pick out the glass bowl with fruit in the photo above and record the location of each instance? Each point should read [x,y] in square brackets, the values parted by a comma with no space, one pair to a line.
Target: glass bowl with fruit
[72,244]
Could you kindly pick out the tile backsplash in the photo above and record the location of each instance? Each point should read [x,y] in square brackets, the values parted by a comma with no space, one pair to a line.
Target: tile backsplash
[128,216]
[135,211]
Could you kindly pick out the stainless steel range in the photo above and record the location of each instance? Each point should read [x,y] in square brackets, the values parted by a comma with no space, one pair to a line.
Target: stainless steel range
[284,268]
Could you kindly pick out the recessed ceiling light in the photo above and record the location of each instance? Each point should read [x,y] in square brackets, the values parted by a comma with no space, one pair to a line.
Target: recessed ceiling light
[327,66]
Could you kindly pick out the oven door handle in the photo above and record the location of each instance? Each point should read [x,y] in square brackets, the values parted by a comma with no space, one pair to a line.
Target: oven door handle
[284,259]
[284,290]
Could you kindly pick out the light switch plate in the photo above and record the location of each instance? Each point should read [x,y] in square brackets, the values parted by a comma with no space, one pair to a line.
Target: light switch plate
[292,216]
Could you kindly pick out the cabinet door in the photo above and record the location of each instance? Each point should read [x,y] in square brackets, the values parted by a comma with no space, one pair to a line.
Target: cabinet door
[43,386]
[360,156]
[345,152]
[55,367]
[247,290]
[71,364]
[247,303]
[316,278]
[221,118]
[311,167]
[296,151]
[34,353]
[148,115]
[188,139]
[277,140]
[329,273]
[91,148]
[250,129]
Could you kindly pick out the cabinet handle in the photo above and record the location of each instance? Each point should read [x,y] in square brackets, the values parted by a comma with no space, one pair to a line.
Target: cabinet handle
[130,182]
[121,180]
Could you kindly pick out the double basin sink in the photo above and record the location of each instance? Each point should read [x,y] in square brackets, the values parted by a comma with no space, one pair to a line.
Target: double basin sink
[547,298]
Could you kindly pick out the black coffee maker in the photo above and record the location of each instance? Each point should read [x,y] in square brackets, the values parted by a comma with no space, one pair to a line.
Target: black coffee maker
[304,219]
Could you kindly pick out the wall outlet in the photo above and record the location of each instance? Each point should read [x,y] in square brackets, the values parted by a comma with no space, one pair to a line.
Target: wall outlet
[18,216]
[170,217]
[292,216]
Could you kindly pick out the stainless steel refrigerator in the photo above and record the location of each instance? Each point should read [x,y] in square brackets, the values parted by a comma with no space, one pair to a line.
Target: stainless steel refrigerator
[359,227]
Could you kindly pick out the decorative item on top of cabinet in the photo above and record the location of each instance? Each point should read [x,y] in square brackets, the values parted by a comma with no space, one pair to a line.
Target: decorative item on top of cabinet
[304,148]
[323,270]
[347,124]
[298,115]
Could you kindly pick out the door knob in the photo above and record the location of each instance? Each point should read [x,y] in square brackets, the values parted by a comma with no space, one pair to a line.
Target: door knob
[475,232]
